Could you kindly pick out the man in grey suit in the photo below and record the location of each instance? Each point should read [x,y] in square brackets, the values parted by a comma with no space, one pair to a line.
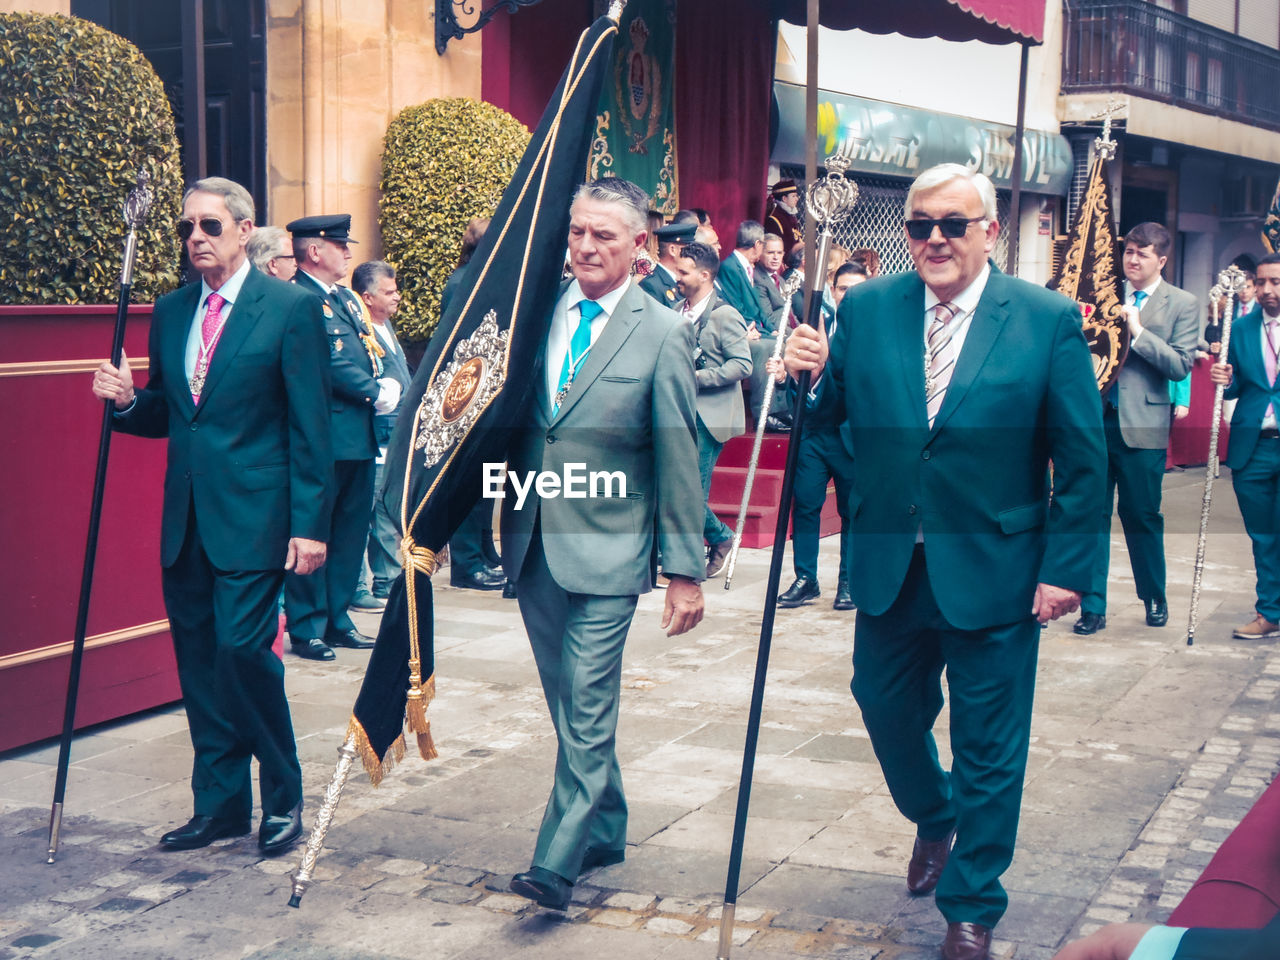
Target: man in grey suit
[1164,325]
[722,359]
[613,408]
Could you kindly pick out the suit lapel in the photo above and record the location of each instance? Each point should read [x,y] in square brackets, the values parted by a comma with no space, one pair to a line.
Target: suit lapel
[988,320]
[616,331]
[174,350]
[909,349]
[1249,331]
[243,318]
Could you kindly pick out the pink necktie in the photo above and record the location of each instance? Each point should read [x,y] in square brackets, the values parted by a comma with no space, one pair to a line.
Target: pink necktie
[941,358]
[210,334]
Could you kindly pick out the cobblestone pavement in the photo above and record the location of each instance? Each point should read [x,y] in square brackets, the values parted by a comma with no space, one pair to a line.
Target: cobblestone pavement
[1146,753]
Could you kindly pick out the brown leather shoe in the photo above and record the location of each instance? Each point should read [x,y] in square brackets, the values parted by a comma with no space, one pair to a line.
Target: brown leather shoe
[927,860]
[967,941]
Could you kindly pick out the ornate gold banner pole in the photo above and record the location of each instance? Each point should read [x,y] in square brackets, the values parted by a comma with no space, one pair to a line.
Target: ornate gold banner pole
[1230,282]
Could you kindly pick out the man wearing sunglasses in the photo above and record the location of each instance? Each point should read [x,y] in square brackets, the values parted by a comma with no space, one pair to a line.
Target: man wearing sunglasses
[239,383]
[958,384]
[316,607]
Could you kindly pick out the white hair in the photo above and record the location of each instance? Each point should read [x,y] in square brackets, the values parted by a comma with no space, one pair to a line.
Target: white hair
[944,173]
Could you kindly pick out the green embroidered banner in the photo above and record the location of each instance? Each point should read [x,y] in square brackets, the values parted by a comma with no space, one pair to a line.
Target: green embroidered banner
[636,124]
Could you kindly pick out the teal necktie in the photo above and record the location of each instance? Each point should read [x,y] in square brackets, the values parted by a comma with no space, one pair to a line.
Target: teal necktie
[579,347]
[1139,298]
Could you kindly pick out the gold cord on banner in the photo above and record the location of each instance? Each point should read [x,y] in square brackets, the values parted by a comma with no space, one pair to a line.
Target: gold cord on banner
[417,560]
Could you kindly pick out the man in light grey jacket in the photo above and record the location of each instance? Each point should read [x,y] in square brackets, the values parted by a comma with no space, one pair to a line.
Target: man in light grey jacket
[1164,323]
[610,437]
[722,359]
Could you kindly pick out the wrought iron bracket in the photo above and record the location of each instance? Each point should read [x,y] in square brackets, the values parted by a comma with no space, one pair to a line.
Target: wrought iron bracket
[448,28]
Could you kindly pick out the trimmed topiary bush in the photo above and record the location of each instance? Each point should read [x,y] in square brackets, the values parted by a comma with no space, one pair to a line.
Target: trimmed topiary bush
[443,162]
[81,111]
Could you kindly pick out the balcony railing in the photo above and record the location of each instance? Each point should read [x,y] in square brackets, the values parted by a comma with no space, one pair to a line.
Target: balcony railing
[1136,47]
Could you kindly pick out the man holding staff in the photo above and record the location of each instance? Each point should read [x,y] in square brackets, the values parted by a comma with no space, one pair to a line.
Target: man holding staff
[1253,452]
[239,383]
[958,385]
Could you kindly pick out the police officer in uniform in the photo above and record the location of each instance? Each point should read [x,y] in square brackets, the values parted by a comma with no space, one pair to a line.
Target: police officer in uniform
[661,284]
[316,606]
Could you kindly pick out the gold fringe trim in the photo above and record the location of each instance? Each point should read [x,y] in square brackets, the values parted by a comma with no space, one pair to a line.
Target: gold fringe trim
[376,768]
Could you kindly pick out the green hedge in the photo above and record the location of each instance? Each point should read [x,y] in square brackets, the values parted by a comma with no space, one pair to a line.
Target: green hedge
[443,162]
[81,111]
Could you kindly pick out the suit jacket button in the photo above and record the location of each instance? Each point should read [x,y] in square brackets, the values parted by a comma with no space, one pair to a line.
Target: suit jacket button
[925,455]
[551,438]
[912,510]
[195,427]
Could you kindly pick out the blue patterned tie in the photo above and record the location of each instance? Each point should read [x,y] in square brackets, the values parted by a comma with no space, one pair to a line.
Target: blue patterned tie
[1139,298]
[579,346]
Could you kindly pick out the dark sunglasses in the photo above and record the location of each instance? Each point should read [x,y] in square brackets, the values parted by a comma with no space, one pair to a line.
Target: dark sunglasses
[211,227]
[952,227]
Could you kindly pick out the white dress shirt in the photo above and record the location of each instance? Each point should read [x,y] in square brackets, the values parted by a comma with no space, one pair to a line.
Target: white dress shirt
[229,291]
[564,321]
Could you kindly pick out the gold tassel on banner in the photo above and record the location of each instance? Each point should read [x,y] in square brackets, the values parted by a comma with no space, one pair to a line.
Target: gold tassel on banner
[418,559]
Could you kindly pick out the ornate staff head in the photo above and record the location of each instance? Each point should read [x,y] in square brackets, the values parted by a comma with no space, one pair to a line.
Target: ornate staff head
[138,205]
[136,208]
[832,198]
[1232,281]
[1104,146]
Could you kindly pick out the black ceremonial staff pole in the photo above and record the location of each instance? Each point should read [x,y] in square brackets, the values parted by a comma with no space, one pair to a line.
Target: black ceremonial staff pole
[135,212]
[830,200]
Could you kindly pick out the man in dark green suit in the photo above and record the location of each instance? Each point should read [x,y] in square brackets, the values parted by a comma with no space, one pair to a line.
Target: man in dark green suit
[239,383]
[615,396]
[958,384]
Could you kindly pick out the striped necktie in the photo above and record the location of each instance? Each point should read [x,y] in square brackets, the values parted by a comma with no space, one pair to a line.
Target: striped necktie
[941,360]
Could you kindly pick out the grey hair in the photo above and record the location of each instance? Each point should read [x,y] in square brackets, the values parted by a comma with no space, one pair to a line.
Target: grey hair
[633,200]
[944,173]
[369,273]
[236,197]
[768,237]
[263,244]
[750,232]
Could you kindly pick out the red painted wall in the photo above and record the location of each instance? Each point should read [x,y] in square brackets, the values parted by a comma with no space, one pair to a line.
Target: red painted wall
[49,448]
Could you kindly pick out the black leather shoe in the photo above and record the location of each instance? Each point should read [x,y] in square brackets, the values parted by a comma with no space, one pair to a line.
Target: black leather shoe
[595,857]
[1157,613]
[311,648]
[774,425]
[200,831]
[844,599]
[509,590]
[800,592]
[1090,623]
[352,639]
[281,831]
[543,887]
[482,579]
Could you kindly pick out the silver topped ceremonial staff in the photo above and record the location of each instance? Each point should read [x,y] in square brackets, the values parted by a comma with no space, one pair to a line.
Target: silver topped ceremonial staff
[1230,282]
[136,208]
[789,287]
[830,199]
